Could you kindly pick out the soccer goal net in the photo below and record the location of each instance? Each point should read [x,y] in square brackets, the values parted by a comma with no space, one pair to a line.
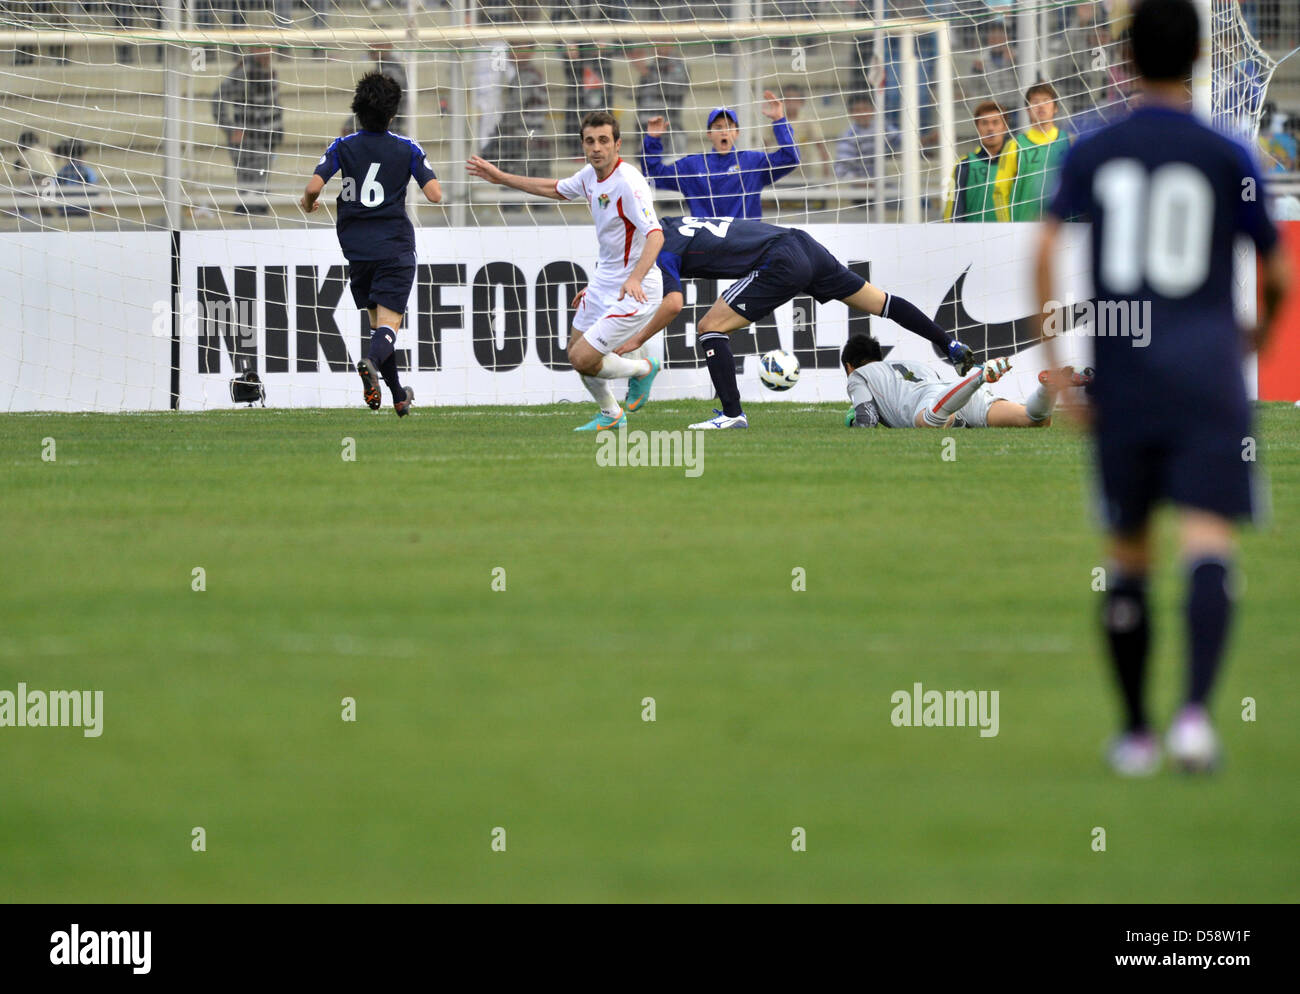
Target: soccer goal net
[154,152]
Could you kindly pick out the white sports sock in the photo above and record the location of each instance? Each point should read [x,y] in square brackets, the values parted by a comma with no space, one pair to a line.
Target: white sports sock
[596,387]
[616,367]
[1039,404]
[640,352]
[955,399]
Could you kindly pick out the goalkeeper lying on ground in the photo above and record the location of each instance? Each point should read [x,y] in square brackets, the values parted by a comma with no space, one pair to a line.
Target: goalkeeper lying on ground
[903,393]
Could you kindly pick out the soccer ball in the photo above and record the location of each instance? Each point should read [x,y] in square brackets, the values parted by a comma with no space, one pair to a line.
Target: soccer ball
[778,370]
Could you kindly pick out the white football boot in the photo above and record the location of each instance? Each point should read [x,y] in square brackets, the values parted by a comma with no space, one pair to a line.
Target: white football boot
[1134,754]
[1192,743]
[721,421]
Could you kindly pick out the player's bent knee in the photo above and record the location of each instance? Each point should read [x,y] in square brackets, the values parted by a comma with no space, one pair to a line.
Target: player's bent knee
[1205,533]
[584,359]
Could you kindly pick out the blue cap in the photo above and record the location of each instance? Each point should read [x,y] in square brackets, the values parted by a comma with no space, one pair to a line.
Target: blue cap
[717,112]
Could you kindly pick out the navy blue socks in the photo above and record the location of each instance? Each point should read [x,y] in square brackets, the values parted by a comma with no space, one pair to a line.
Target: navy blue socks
[1129,635]
[382,343]
[722,371]
[1208,614]
[907,314]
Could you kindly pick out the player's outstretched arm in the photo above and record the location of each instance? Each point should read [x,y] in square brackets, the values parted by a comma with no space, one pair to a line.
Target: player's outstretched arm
[433,191]
[536,185]
[311,196]
[669,308]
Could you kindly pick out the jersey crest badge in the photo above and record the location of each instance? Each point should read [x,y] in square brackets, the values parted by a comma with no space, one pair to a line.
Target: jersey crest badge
[603,200]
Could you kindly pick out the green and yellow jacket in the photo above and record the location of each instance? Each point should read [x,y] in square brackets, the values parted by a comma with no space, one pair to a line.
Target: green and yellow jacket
[981,187]
[1037,168]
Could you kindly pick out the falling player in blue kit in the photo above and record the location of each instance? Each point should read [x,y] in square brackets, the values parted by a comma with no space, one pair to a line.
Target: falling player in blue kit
[1167,195]
[374,231]
[772,265]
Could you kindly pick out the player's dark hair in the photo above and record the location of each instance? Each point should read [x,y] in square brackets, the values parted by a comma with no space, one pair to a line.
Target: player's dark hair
[1164,38]
[598,119]
[989,107]
[1041,89]
[860,350]
[862,97]
[375,101]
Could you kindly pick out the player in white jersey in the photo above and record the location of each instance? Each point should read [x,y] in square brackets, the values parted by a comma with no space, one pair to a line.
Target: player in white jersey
[903,393]
[626,289]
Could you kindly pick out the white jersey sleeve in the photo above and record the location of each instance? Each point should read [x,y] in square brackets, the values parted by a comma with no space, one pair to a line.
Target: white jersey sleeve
[859,388]
[575,187]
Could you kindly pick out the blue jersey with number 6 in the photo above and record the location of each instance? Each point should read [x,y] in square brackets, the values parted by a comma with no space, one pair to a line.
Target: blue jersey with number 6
[371,207]
[1168,197]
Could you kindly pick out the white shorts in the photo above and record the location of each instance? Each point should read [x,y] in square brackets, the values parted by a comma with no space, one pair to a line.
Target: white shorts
[973,414]
[607,322]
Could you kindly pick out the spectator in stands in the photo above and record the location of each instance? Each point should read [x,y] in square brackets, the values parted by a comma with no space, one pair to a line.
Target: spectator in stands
[981,183]
[662,83]
[381,54]
[1277,144]
[75,176]
[855,152]
[724,182]
[1040,152]
[31,170]
[31,165]
[247,108]
[521,136]
[925,47]
[591,75]
[998,64]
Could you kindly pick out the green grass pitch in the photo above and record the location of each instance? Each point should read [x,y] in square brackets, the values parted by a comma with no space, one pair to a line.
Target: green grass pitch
[522,708]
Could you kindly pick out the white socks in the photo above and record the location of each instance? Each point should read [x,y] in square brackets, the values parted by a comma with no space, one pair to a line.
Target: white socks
[955,399]
[596,387]
[617,367]
[1039,404]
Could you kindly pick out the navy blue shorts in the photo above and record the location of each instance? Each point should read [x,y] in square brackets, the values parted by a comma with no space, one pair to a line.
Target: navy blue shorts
[794,264]
[1191,465]
[382,283]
